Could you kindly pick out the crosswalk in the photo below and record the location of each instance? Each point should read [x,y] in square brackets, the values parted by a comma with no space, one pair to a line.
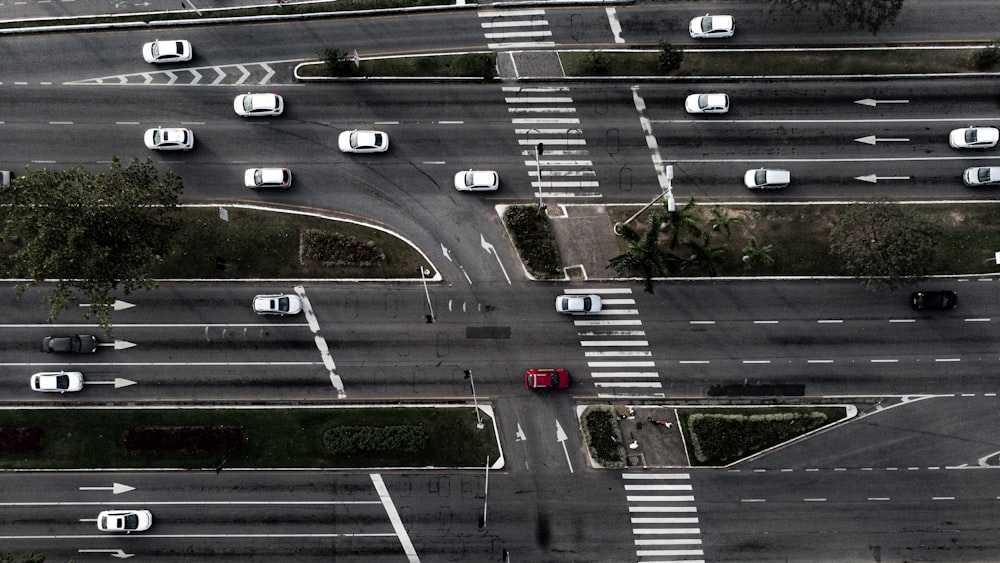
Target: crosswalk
[516,29]
[664,517]
[544,118]
[615,346]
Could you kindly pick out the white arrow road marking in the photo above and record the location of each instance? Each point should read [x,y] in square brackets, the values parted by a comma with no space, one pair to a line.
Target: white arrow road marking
[872,139]
[874,179]
[119,382]
[489,248]
[118,344]
[116,488]
[118,305]
[114,552]
[562,437]
[521,437]
[446,252]
[873,103]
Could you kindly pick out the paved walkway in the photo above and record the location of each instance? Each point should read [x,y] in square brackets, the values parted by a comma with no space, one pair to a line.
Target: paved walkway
[586,240]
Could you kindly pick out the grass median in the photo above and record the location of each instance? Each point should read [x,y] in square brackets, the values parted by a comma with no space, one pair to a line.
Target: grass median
[85,437]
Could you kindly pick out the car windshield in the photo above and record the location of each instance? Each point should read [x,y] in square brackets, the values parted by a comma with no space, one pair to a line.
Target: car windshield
[703,101]
[984,175]
[706,24]
[470,178]
[61,381]
[760,178]
[587,303]
[281,304]
[130,522]
[970,135]
[155,49]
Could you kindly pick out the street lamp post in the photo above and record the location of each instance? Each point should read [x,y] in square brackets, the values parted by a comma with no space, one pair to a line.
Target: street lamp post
[539,149]
[423,274]
[479,419]
[668,192]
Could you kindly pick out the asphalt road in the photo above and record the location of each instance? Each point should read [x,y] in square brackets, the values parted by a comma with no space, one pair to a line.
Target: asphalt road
[819,500]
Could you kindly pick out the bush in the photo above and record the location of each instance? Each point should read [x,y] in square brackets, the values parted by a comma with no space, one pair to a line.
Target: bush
[597,63]
[187,439]
[603,437]
[347,440]
[720,438]
[669,59]
[532,236]
[988,56]
[336,249]
[21,439]
[337,62]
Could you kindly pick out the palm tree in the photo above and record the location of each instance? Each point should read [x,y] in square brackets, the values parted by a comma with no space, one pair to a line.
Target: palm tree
[705,255]
[644,254]
[682,221]
[723,220]
[754,255]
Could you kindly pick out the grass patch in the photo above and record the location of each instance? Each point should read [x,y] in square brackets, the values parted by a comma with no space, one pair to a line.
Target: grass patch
[728,63]
[274,437]
[718,436]
[262,244]
[467,65]
[799,237]
[599,424]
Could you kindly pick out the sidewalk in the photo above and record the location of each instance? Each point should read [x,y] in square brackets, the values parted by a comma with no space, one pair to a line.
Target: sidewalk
[648,444]
[586,240]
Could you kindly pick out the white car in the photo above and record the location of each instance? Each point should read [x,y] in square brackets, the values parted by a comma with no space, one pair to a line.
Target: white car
[253,105]
[766,179]
[280,304]
[477,181]
[707,103]
[711,27]
[124,521]
[57,381]
[363,141]
[267,178]
[974,138]
[176,51]
[578,304]
[982,176]
[169,139]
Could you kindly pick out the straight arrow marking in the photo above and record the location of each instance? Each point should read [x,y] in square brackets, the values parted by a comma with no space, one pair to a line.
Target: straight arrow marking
[120,554]
[873,103]
[874,179]
[872,139]
[561,437]
[116,488]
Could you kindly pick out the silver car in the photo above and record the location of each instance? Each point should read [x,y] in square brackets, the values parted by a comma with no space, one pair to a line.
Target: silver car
[267,178]
[279,304]
[174,51]
[477,181]
[711,27]
[127,521]
[363,141]
[707,103]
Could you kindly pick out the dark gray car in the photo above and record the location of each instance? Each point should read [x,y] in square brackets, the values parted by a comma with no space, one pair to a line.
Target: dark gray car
[76,344]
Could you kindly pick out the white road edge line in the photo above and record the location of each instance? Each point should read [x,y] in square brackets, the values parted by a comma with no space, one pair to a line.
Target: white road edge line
[397,523]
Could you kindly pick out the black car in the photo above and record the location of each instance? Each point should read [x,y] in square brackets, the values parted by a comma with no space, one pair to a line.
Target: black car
[77,344]
[934,300]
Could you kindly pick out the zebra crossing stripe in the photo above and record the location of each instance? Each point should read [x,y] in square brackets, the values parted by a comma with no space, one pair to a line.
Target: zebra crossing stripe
[630,384]
[623,374]
[642,531]
[619,354]
[614,343]
[658,487]
[654,476]
[515,23]
[518,34]
[662,509]
[511,13]
[598,291]
[610,322]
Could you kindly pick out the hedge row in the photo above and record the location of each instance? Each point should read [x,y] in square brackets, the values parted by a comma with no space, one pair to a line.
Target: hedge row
[347,440]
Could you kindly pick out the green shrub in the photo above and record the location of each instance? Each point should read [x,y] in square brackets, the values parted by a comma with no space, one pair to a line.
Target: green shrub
[337,249]
[337,62]
[720,438]
[532,236]
[597,63]
[348,440]
[669,59]
[603,437]
[988,56]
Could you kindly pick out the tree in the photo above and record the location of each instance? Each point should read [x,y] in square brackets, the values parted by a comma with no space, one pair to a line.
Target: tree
[682,221]
[754,254]
[705,255]
[883,243]
[669,59]
[721,219]
[644,254]
[337,62]
[866,14]
[92,233]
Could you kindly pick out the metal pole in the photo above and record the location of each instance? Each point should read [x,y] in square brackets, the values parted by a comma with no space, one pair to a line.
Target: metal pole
[539,148]
[479,420]
[423,272]
[486,489]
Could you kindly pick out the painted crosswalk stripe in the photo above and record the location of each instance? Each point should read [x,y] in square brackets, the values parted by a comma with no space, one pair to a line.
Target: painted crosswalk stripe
[629,384]
[614,343]
[609,322]
[624,374]
[658,487]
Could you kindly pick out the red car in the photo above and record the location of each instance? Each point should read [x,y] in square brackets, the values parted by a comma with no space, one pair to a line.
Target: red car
[546,379]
